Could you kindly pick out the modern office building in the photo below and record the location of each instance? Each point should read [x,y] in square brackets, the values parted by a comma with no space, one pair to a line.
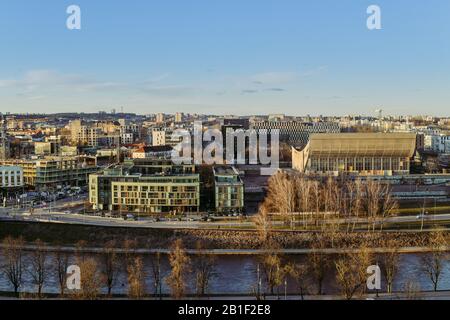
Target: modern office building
[146,186]
[295,133]
[229,190]
[49,172]
[356,153]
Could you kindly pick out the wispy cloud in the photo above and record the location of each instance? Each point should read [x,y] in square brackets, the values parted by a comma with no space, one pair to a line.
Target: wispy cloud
[275,89]
[36,80]
[169,91]
[273,77]
[314,71]
[248,91]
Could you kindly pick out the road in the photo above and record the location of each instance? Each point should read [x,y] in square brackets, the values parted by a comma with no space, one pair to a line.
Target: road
[67,211]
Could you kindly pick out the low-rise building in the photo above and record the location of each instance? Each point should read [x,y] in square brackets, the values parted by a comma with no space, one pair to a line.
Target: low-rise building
[49,172]
[146,186]
[147,152]
[11,177]
[229,190]
[356,153]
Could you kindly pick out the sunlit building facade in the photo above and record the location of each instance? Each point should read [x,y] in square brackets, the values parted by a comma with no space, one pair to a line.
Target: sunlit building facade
[356,153]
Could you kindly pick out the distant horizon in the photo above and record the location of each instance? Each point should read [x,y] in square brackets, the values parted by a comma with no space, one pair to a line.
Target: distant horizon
[219,115]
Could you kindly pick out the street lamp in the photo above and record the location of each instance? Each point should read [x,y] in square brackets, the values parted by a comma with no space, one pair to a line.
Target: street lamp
[285,289]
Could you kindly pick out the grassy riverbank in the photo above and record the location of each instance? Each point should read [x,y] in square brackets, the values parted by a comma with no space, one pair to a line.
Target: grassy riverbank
[149,238]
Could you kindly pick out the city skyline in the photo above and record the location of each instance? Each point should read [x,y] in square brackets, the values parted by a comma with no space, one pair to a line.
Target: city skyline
[226,58]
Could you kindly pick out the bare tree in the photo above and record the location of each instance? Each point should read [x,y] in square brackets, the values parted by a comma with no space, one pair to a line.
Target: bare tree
[61,263]
[318,261]
[388,204]
[91,280]
[80,248]
[273,271]
[432,262]
[390,261]
[180,264]
[351,272]
[136,279]
[110,265]
[156,271]
[412,290]
[13,268]
[204,265]
[299,273]
[130,247]
[38,270]
[303,195]
[357,205]
[372,202]
[281,196]
[263,223]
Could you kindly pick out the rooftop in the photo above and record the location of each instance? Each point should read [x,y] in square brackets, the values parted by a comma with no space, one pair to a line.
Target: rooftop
[363,144]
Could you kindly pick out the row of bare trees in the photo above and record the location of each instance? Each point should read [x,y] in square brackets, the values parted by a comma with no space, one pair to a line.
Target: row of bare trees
[348,266]
[102,271]
[314,200]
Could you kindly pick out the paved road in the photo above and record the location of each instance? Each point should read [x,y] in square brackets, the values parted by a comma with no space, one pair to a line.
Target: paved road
[56,216]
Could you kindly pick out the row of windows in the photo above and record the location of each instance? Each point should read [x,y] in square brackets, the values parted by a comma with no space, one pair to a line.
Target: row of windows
[229,189]
[156,188]
[358,164]
[232,203]
[164,202]
[155,195]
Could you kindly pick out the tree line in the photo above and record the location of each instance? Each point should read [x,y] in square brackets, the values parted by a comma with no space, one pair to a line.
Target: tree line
[100,273]
[331,206]
[314,200]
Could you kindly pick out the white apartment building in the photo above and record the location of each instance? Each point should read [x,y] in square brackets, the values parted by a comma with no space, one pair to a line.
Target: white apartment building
[11,176]
[437,142]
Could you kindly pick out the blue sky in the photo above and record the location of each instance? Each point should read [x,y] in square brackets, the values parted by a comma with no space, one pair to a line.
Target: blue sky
[226,57]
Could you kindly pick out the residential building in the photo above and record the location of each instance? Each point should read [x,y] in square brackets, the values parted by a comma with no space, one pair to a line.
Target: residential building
[146,186]
[439,143]
[4,142]
[84,134]
[51,171]
[229,190]
[147,152]
[160,117]
[165,136]
[179,117]
[11,177]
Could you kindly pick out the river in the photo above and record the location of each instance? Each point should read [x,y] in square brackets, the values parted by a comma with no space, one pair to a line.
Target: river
[236,274]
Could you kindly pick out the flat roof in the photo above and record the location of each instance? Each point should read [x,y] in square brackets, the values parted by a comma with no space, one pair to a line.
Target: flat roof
[225,170]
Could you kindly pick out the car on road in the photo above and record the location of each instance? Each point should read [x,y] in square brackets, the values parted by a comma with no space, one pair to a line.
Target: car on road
[130,216]
[421,216]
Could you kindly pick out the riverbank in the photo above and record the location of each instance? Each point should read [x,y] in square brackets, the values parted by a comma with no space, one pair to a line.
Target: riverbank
[234,252]
[419,295]
[220,241]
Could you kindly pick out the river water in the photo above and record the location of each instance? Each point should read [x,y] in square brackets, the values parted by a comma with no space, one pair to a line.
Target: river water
[237,274]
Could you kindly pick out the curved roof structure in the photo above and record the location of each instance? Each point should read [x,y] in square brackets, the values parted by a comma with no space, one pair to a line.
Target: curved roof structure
[362,145]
